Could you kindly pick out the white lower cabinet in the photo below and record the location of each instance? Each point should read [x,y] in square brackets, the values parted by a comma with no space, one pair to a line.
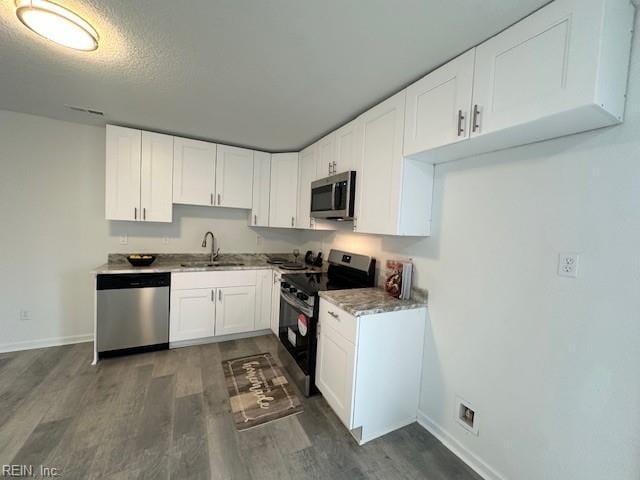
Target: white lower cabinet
[275,302]
[368,368]
[235,310]
[193,314]
[264,288]
[215,304]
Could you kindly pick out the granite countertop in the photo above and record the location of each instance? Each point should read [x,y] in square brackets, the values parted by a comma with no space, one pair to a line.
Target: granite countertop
[117,263]
[369,301]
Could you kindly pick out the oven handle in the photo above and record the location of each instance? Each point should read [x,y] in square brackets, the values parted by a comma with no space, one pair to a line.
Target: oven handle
[295,304]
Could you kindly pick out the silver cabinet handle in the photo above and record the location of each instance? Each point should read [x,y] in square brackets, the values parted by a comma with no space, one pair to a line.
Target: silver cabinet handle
[144,213]
[460,125]
[212,297]
[211,199]
[219,199]
[334,315]
[476,114]
[293,221]
[220,294]
[329,168]
[255,219]
[334,167]
[135,213]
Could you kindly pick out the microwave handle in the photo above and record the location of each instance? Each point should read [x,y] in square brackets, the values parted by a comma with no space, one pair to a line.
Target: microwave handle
[333,196]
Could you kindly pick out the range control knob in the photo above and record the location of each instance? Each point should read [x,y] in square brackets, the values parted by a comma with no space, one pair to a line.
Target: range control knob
[293,290]
[302,296]
[285,285]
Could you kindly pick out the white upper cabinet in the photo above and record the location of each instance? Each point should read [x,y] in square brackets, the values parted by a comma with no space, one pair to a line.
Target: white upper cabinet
[569,57]
[261,188]
[138,175]
[234,177]
[156,198]
[194,171]
[394,194]
[346,148]
[438,106]
[306,175]
[283,201]
[325,154]
[560,71]
[122,193]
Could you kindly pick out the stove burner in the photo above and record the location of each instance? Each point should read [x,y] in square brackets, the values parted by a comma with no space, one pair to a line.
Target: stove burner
[293,266]
[276,260]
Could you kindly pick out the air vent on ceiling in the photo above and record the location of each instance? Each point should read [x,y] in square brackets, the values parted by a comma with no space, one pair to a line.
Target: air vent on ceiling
[85,110]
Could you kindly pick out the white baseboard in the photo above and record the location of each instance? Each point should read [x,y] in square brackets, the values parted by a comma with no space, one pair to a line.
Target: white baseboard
[45,342]
[221,338]
[459,450]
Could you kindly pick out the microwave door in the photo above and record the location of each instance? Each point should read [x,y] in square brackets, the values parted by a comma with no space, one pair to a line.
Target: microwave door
[322,199]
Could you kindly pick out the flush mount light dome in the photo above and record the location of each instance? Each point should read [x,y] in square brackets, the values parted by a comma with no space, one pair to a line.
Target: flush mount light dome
[57,24]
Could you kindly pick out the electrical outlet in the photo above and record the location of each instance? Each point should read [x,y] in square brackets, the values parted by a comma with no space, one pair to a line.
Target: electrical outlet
[165,240]
[25,315]
[123,240]
[568,265]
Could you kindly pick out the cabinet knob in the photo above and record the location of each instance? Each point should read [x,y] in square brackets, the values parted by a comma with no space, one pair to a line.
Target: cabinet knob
[334,315]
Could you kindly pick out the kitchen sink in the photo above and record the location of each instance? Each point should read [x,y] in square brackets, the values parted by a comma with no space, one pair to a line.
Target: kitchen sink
[211,264]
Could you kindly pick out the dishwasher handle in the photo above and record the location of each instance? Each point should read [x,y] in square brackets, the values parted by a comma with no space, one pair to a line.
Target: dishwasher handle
[120,281]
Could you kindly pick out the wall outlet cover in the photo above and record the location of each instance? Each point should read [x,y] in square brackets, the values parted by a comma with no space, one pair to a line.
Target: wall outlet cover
[123,240]
[25,315]
[568,265]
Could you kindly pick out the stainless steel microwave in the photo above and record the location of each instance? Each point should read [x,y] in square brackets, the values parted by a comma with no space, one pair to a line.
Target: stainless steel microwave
[333,197]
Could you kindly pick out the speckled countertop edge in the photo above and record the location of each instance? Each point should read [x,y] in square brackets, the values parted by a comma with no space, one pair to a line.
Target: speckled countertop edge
[370,301]
[171,263]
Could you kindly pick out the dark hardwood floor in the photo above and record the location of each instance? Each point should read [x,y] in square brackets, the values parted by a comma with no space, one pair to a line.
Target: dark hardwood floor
[166,415]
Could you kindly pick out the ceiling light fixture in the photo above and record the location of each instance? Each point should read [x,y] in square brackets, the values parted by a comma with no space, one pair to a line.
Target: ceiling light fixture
[57,24]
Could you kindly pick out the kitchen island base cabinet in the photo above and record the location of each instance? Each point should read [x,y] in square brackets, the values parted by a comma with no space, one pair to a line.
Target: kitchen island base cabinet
[369,368]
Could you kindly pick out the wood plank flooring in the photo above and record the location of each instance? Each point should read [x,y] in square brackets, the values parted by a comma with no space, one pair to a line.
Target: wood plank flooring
[165,415]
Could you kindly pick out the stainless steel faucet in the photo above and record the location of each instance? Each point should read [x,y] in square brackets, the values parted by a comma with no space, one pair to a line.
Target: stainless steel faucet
[214,253]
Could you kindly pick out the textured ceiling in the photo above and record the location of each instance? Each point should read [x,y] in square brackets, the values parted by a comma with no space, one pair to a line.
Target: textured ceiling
[269,74]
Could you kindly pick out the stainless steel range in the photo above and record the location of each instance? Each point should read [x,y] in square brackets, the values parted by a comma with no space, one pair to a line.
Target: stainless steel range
[299,308]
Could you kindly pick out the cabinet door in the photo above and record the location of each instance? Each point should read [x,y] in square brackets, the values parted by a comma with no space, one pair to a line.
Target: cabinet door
[283,198]
[264,287]
[380,153]
[275,303]
[345,148]
[261,188]
[194,171]
[528,71]
[335,366]
[234,177]
[156,184]
[235,310]
[192,314]
[326,156]
[306,175]
[438,106]
[122,191]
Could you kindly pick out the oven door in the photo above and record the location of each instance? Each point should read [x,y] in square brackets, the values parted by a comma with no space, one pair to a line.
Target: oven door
[297,330]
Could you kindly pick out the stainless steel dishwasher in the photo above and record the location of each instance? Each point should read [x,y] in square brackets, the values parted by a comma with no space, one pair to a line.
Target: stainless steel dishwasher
[132,313]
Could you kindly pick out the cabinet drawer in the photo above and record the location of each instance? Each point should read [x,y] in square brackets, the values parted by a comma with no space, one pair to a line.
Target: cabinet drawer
[339,320]
[233,278]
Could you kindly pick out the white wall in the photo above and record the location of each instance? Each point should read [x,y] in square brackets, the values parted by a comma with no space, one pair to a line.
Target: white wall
[53,230]
[551,364]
